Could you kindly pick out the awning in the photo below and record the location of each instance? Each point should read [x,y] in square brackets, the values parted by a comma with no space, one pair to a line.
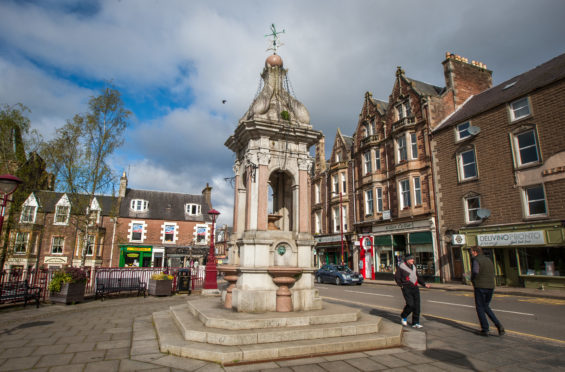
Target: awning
[423,237]
[382,240]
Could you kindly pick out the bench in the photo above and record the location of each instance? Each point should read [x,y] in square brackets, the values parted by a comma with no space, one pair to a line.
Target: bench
[20,290]
[105,286]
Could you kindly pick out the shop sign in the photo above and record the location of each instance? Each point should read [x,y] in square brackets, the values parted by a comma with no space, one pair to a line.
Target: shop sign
[420,224]
[327,239]
[55,260]
[511,238]
[139,249]
[458,239]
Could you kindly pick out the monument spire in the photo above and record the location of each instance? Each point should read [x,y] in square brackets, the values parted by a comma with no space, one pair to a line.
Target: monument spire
[276,40]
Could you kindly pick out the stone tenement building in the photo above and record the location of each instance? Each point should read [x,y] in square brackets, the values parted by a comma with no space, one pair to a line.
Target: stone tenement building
[385,177]
[500,166]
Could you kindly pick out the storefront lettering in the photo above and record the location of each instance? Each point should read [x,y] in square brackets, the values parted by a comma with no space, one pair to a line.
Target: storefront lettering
[139,249]
[513,238]
[55,260]
[400,226]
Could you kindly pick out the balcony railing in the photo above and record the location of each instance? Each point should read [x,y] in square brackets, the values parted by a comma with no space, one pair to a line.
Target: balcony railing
[404,122]
[370,139]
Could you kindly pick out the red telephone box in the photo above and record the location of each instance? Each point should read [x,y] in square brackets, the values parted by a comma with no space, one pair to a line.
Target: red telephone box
[366,257]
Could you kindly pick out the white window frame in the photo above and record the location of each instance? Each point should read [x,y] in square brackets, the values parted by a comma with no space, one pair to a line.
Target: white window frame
[517,106]
[62,211]
[317,193]
[164,233]
[318,222]
[62,244]
[414,145]
[379,198]
[367,167]
[369,206]
[403,110]
[90,245]
[401,149]
[143,231]
[343,183]
[28,214]
[335,185]
[378,159]
[416,181]
[461,165]
[518,149]
[462,132]
[206,234]
[335,218]
[193,209]
[404,194]
[469,211]
[344,217]
[139,205]
[527,202]
[21,242]
[338,156]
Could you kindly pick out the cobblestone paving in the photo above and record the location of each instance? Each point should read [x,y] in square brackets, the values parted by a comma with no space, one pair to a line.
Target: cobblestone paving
[118,335]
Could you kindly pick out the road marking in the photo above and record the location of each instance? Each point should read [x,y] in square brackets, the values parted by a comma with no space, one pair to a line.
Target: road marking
[543,301]
[444,318]
[502,311]
[367,293]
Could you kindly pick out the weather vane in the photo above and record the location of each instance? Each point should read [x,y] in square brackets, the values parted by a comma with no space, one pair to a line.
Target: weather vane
[276,41]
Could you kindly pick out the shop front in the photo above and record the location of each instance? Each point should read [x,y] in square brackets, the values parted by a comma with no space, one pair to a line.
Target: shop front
[394,241]
[329,250]
[135,255]
[531,255]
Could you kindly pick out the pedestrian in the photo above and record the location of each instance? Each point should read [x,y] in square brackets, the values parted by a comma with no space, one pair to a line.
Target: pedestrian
[408,279]
[482,276]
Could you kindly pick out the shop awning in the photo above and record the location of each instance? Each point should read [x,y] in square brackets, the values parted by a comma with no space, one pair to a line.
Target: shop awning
[385,240]
[423,237]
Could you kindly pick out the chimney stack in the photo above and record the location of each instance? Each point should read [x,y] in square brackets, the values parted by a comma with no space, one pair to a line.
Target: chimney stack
[320,160]
[207,194]
[465,79]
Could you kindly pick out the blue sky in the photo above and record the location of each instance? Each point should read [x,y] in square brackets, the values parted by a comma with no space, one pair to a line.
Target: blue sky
[175,61]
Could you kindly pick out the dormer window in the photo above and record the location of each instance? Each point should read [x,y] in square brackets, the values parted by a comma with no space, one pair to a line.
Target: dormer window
[94,212]
[520,108]
[403,110]
[62,211]
[193,209]
[139,205]
[29,210]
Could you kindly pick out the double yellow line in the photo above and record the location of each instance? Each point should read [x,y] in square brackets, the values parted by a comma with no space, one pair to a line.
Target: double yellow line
[444,318]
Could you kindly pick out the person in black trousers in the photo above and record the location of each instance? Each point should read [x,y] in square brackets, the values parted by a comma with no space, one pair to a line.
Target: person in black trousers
[482,276]
[407,277]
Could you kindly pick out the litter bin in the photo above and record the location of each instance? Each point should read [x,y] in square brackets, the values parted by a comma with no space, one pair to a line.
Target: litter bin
[183,282]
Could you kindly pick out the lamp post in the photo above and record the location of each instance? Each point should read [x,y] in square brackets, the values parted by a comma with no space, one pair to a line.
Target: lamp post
[8,184]
[210,279]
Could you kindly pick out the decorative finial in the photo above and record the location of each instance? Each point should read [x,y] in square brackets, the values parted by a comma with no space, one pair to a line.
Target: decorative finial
[276,42]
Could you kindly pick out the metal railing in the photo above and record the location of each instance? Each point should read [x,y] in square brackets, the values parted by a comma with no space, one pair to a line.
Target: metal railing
[41,278]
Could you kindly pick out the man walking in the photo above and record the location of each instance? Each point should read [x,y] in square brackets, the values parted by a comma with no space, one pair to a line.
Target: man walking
[482,276]
[408,279]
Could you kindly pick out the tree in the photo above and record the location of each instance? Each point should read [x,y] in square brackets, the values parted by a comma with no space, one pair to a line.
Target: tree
[14,124]
[79,154]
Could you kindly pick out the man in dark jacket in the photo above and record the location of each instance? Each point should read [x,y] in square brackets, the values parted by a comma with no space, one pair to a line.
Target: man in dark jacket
[482,276]
[408,279]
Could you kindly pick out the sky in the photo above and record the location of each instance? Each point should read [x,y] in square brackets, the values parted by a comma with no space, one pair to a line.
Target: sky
[175,62]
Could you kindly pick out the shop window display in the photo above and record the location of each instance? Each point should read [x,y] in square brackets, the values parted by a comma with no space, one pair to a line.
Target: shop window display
[542,261]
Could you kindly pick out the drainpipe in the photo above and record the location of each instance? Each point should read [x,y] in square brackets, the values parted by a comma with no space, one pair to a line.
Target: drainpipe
[113,238]
[434,187]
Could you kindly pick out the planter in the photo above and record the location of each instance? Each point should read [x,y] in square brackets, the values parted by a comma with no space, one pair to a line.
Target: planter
[160,287]
[69,293]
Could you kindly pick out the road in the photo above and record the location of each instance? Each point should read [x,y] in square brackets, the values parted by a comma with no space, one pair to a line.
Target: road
[528,316]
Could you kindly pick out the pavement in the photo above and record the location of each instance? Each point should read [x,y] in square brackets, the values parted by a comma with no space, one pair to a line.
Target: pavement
[118,335]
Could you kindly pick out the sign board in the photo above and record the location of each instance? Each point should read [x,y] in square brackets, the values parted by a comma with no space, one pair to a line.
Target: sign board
[458,239]
[55,260]
[328,239]
[386,215]
[511,238]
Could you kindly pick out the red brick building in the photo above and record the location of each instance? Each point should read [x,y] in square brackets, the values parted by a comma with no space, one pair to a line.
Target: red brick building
[500,164]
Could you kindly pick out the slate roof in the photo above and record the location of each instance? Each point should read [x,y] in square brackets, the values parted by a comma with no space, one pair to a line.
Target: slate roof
[49,199]
[425,89]
[380,105]
[348,141]
[164,206]
[542,75]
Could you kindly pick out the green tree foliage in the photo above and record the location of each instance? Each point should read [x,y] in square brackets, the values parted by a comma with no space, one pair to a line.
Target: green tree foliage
[14,124]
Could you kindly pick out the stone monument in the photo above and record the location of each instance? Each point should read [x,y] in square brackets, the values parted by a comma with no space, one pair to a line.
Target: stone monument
[272,246]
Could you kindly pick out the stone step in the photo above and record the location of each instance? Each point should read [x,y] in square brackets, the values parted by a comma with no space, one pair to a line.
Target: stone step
[193,330]
[212,314]
[171,341]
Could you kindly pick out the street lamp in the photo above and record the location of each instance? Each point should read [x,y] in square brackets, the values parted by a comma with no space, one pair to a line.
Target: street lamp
[8,184]
[210,279]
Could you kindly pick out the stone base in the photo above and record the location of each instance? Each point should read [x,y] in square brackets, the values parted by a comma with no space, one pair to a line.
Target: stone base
[203,329]
[211,293]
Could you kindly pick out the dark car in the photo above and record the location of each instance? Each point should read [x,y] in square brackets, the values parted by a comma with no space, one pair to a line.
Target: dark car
[338,274]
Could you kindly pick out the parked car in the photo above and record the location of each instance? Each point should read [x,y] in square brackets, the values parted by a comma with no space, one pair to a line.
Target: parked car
[338,274]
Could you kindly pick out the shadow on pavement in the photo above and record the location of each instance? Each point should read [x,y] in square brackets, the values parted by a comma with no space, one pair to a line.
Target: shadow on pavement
[450,357]
[26,325]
